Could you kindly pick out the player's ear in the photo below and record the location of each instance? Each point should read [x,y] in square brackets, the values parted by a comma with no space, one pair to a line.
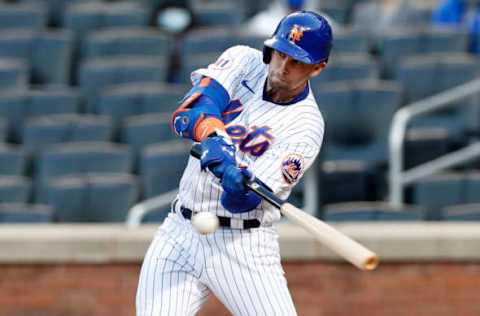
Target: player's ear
[317,69]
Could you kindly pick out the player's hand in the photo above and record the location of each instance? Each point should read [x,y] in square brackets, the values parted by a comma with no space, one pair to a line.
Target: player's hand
[218,153]
[236,198]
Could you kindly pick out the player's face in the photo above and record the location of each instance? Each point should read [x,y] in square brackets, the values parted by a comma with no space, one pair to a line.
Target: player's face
[288,74]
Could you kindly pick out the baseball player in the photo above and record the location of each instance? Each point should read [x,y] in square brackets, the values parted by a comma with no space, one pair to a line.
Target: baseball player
[253,113]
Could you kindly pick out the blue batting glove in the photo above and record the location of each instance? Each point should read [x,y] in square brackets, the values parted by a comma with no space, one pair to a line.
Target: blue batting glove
[236,198]
[217,155]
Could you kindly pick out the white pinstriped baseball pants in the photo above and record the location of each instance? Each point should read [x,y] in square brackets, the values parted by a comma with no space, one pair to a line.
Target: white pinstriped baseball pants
[240,267]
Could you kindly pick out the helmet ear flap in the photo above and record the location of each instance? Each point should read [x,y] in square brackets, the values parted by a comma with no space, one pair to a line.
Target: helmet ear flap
[267,54]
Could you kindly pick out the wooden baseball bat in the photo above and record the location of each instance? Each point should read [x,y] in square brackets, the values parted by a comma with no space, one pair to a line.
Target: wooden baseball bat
[336,241]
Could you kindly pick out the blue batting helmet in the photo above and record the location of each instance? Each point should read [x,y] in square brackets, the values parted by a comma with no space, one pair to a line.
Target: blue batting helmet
[304,35]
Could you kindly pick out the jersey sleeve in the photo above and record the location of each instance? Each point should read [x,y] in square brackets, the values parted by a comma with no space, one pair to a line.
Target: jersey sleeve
[284,164]
[230,67]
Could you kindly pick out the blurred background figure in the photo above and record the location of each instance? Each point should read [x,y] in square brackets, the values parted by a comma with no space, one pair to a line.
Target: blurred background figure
[264,22]
[460,14]
[376,17]
[449,13]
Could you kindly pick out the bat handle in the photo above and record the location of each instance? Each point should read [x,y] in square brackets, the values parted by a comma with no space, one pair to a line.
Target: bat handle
[258,188]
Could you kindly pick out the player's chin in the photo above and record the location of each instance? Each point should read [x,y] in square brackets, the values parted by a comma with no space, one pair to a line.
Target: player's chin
[278,83]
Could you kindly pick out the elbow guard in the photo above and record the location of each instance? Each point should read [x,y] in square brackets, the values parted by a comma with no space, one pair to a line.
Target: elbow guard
[199,115]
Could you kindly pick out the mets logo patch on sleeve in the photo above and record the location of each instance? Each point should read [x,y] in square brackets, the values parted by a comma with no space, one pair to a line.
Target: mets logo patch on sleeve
[292,167]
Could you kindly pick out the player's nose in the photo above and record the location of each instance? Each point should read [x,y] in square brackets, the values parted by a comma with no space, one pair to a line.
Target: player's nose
[283,67]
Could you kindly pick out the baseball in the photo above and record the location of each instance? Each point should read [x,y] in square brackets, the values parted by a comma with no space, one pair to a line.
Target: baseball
[205,222]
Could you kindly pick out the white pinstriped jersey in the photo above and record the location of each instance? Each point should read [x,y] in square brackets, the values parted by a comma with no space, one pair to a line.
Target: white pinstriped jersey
[277,142]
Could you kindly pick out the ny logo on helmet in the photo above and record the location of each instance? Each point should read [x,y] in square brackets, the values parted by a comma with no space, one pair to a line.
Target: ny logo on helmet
[296,33]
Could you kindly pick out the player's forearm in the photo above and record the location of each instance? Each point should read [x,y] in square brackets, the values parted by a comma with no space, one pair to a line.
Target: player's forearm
[199,115]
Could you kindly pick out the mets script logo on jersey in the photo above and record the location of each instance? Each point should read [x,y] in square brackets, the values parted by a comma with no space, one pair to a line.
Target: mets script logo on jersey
[296,33]
[292,167]
[254,140]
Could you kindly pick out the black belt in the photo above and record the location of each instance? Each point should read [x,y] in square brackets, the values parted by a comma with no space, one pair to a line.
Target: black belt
[226,221]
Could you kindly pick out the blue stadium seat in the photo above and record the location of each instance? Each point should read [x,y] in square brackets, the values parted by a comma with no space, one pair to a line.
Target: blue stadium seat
[147,129]
[443,40]
[85,17]
[252,40]
[206,40]
[12,160]
[93,198]
[348,67]
[3,130]
[46,130]
[417,74]
[22,15]
[192,63]
[344,180]
[371,211]
[347,41]
[424,76]
[25,213]
[438,191]
[16,106]
[358,119]
[47,53]
[161,167]
[133,41]
[51,57]
[14,74]
[83,157]
[425,144]
[462,212]
[15,189]
[12,103]
[97,74]
[79,158]
[218,14]
[127,100]
[395,46]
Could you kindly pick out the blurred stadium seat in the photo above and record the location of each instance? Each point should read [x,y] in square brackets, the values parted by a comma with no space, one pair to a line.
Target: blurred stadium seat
[3,130]
[48,53]
[14,74]
[83,17]
[462,212]
[425,144]
[93,197]
[192,63]
[221,13]
[132,41]
[438,191]
[344,180]
[348,67]
[12,160]
[395,46]
[127,100]
[358,118]
[371,211]
[79,158]
[161,167]
[141,130]
[23,15]
[15,189]
[443,40]
[206,40]
[42,131]
[97,74]
[25,213]
[347,41]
